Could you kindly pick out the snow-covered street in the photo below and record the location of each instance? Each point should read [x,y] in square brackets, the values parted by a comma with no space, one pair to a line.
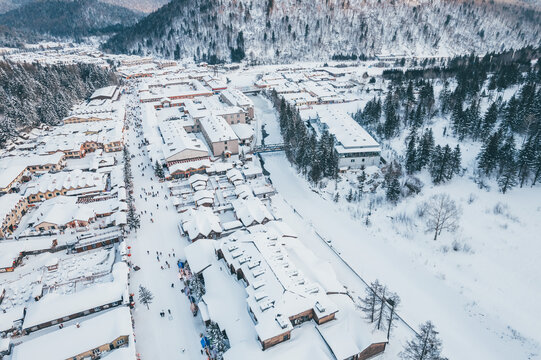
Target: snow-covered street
[174,336]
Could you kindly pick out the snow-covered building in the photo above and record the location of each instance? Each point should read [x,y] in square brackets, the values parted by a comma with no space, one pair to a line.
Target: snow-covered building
[355,146]
[108,92]
[49,185]
[219,135]
[201,223]
[235,97]
[100,336]
[280,297]
[251,211]
[55,308]
[179,146]
[12,209]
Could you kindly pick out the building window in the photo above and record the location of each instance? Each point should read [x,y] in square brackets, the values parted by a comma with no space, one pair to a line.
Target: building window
[120,342]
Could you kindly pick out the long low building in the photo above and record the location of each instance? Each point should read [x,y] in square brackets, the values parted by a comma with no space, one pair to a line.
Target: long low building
[179,146]
[279,295]
[54,309]
[355,146]
[49,186]
[109,332]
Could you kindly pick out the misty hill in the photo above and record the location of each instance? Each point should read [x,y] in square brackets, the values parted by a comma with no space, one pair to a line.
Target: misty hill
[69,18]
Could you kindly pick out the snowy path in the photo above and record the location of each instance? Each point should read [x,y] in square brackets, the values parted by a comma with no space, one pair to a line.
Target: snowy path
[159,338]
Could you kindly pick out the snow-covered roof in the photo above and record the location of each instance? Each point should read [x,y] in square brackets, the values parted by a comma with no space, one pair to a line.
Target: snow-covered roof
[251,210]
[243,131]
[71,340]
[10,316]
[176,140]
[236,97]
[75,179]
[107,91]
[349,135]
[217,129]
[62,210]
[200,254]
[278,289]
[201,221]
[55,306]
[190,165]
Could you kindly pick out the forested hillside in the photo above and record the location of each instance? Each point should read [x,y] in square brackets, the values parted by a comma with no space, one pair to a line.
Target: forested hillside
[494,101]
[31,94]
[17,38]
[284,30]
[69,18]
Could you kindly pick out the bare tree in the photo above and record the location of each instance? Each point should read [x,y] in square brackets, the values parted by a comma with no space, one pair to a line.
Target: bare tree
[442,214]
[425,346]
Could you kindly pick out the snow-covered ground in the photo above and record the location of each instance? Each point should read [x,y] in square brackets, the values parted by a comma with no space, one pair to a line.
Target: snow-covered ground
[481,297]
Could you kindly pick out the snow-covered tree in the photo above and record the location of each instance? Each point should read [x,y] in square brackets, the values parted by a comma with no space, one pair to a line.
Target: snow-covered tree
[442,214]
[145,296]
[425,346]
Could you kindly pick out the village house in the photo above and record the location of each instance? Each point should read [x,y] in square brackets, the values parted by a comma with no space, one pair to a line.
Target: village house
[50,185]
[235,97]
[220,136]
[12,209]
[251,211]
[55,308]
[107,333]
[105,93]
[13,169]
[200,223]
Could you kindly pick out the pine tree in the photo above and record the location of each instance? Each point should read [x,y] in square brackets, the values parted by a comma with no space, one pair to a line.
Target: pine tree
[490,119]
[411,156]
[456,160]
[490,152]
[145,296]
[441,165]
[525,158]
[391,118]
[426,148]
[349,196]
[362,180]
[393,190]
[158,170]
[425,346]
[508,177]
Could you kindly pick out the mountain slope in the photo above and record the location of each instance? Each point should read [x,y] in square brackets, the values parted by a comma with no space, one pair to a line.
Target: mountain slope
[69,18]
[282,30]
